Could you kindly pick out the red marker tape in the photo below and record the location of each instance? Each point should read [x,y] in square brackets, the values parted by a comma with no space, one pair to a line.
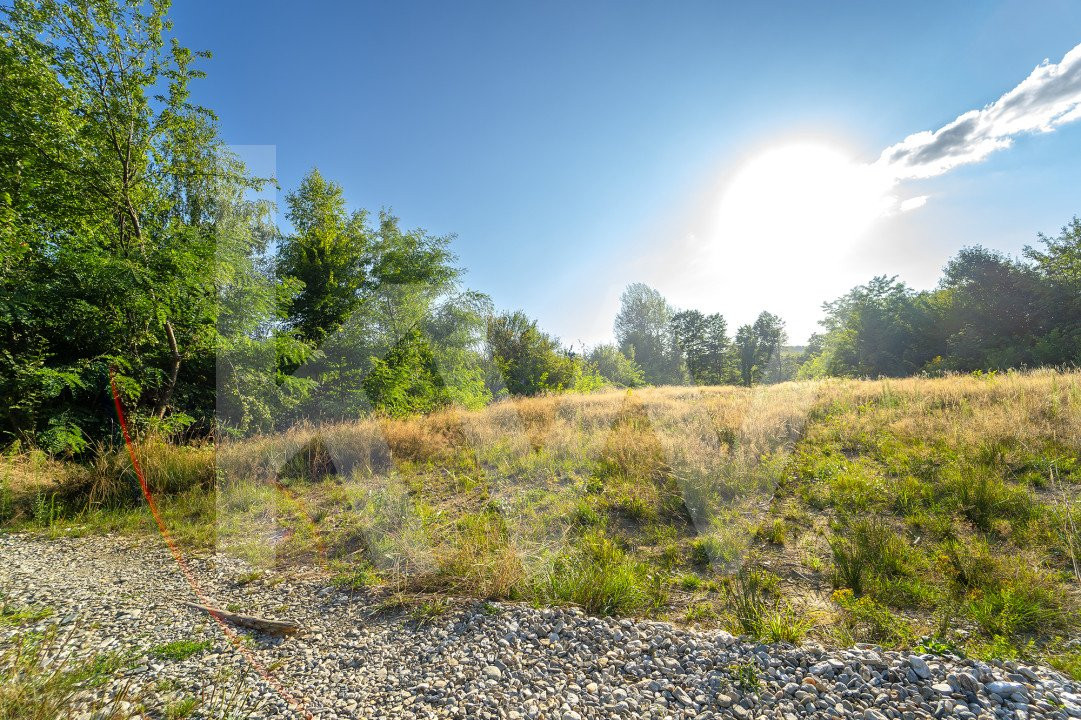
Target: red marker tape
[229,633]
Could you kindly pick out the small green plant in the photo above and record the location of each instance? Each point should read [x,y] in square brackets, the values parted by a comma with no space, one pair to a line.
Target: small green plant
[689,582]
[45,511]
[180,649]
[249,577]
[181,709]
[869,621]
[746,676]
[699,612]
[934,645]
[429,610]
[602,579]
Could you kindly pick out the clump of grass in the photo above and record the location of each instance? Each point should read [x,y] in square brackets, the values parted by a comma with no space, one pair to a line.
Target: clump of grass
[602,579]
[1067,662]
[355,578]
[1015,609]
[12,615]
[586,515]
[429,610]
[773,531]
[870,551]
[984,498]
[699,612]
[753,609]
[477,559]
[181,709]
[180,649]
[41,680]
[867,621]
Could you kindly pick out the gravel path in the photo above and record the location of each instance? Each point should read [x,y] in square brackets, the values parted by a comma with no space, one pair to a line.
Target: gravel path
[477,660]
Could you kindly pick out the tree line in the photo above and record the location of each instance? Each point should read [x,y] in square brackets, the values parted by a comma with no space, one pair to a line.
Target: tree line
[131,246]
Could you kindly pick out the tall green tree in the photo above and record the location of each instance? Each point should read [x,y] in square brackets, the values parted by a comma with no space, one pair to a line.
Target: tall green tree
[644,334]
[110,190]
[528,360]
[392,328]
[703,342]
[756,346]
[1059,263]
[329,254]
[880,328]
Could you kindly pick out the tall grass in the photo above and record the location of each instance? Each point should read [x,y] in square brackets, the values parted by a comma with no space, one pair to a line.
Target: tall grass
[920,496]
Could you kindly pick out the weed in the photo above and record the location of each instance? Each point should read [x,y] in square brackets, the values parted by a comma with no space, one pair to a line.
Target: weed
[746,676]
[181,709]
[869,621]
[602,579]
[40,680]
[180,649]
[429,610]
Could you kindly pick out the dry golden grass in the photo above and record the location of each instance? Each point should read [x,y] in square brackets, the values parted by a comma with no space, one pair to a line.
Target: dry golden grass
[659,494]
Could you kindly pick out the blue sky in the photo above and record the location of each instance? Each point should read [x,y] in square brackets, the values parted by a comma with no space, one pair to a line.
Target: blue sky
[574,148]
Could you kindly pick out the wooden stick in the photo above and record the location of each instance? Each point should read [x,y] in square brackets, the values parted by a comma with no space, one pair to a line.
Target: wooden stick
[273,627]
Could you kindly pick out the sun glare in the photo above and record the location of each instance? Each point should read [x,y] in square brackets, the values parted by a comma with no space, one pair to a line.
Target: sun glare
[800,200]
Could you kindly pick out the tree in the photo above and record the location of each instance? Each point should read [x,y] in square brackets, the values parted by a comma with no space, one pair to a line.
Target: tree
[643,333]
[112,188]
[992,310]
[756,346]
[702,341]
[1059,264]
[407,380]
[615,367]
[328,253]
[880,328]
[529,360]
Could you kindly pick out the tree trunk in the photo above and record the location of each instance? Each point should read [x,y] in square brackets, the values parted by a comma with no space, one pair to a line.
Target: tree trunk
[167,390]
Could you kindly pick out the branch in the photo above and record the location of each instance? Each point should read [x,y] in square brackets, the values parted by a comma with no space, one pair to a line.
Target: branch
[273,627]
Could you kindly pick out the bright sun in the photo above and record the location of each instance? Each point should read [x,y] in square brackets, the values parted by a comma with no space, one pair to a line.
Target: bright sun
[799,201]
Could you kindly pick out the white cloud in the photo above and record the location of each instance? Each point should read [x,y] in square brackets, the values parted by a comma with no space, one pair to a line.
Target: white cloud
[1049,97]
[913,203]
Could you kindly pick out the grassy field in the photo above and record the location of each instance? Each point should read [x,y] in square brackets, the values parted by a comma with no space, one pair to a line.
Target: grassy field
[940,513]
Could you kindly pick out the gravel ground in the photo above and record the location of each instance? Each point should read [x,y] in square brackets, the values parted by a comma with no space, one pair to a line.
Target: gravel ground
[476,660]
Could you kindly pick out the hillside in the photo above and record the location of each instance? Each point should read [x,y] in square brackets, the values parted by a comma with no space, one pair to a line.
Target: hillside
[941,511]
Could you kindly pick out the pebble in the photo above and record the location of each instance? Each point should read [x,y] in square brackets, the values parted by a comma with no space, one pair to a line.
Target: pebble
[495,661]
